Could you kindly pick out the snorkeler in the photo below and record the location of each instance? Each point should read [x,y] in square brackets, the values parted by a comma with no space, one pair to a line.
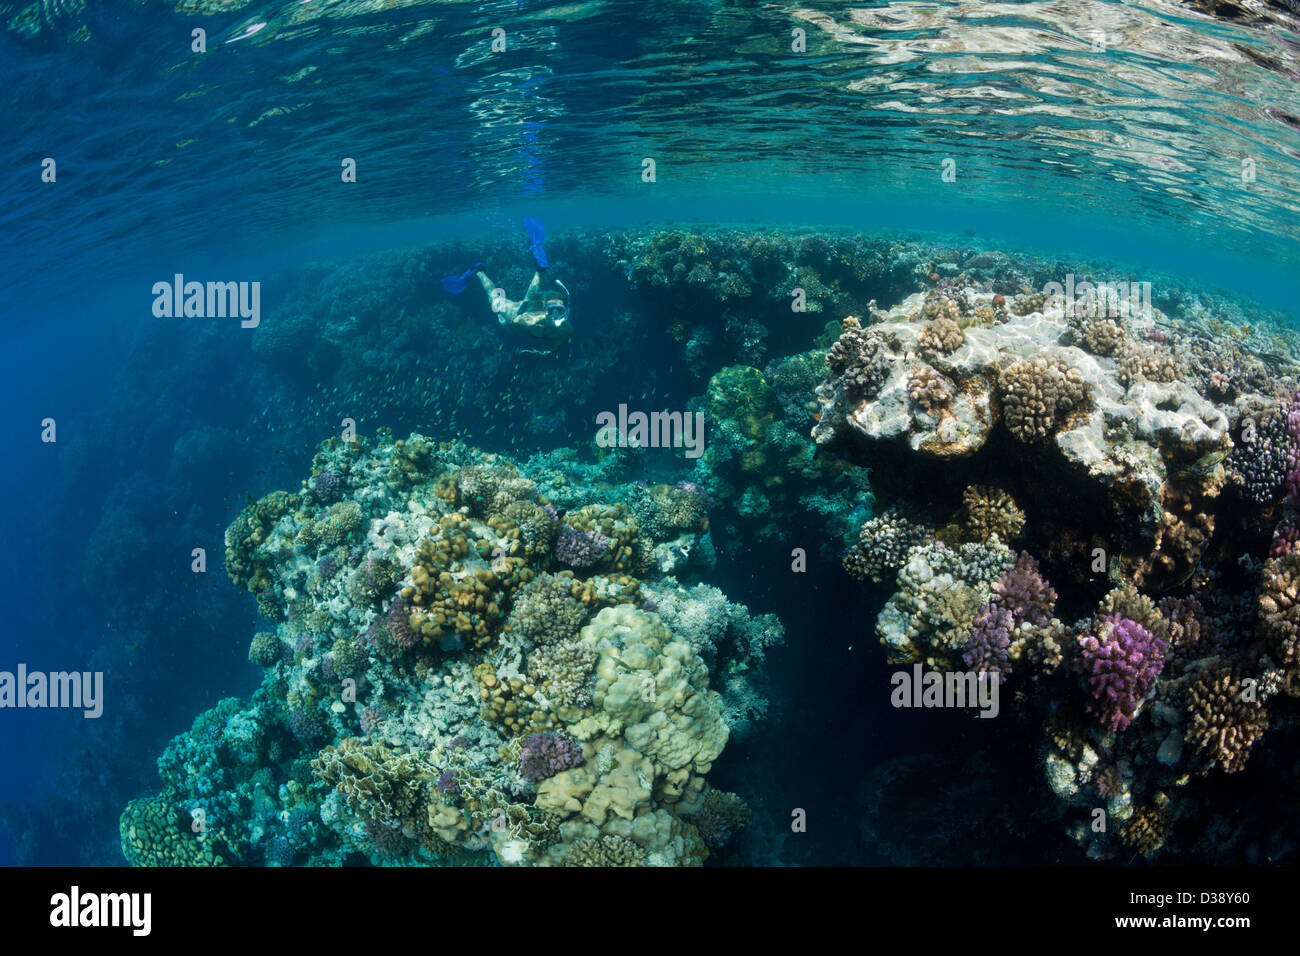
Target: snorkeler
[542,314]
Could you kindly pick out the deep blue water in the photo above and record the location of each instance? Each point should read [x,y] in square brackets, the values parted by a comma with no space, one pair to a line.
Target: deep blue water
[227,164]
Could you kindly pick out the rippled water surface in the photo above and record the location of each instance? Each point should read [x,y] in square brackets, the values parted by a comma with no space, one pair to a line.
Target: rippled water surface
[1153,117]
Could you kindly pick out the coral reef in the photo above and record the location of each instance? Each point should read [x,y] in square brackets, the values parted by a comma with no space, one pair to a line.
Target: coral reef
[1149,472]
[479,674]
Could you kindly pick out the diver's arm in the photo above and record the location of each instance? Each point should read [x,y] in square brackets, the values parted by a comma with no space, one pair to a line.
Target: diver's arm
[534,290]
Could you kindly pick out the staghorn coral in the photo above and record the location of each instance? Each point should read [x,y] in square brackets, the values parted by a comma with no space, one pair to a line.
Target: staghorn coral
[1037,394]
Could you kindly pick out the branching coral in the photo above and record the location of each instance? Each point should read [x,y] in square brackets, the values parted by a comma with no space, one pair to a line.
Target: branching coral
[1103,336]
[990,639]
[1122,663]
[1021,590]
[563,672]
[547,611]
[941,336]
[990,511]
[1137,362]
[928,388]
[545,754]
[940,591]
[883,543]
[1258,463]
[858,360]
[1225,717]
[1037,394]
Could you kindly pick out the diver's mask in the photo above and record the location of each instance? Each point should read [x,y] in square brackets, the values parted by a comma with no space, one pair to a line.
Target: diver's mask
[556,311]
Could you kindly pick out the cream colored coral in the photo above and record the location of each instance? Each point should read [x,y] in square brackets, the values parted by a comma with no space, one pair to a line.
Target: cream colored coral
[653,690]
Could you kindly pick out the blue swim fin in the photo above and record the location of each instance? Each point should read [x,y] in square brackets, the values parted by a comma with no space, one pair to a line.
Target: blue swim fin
[456,284]
[536,235]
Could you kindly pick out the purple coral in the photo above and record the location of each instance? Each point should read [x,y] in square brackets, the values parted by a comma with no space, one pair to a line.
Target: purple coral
[1286,537]
[696,490]
[1123,664]
[579,549]
[308,724]
[327,567]
[329,486]
[1293,452]
[447,784]
[986,651]
[1021,590]
[399,624]
[548,753]
[371,718]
